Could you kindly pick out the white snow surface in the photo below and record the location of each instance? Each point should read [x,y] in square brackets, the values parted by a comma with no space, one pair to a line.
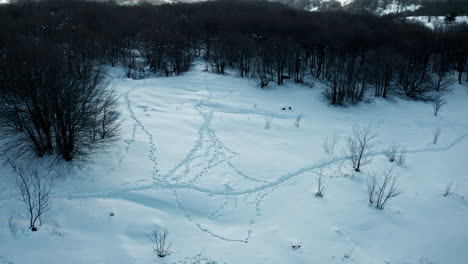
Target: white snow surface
[194,157]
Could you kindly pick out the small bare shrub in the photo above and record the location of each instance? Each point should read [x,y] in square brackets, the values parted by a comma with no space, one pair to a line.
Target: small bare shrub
[425,261]
[12,225]
[449,189]
[328,145]
[55,230]
[435,135]
[382,188]
[298,120]
[161,245]
[348,254]
[359,147]
[320,184]
[391,153]
[371,187]
[197,259]
[401,158]
[35,191]
[437,103]
[268,121]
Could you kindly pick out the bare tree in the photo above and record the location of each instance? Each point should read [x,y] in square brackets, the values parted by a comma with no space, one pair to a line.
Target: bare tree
[359,147]
[435,135]
[437,102]
[35,191]
[161,245]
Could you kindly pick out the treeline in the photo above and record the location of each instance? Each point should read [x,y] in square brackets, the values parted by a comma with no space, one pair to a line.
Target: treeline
[351,53]
[49,45]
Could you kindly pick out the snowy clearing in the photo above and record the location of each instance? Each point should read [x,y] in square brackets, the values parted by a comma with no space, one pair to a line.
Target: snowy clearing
[194,156]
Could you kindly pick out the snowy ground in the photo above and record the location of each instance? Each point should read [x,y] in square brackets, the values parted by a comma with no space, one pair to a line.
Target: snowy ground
[194,156]
[437,21]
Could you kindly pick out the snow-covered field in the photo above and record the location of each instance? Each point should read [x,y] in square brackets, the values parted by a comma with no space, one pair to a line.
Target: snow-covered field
[194,156]
[437,21]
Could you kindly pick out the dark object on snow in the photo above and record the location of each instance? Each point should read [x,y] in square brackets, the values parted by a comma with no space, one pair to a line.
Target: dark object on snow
[34,229]
[284,108]
[290,108]
[112,214]
[296,246]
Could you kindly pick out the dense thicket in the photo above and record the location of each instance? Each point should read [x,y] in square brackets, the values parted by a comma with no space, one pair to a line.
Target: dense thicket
[52,102]
[354,55]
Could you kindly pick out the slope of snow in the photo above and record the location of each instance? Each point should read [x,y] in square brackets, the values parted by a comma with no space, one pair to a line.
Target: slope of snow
[194,156]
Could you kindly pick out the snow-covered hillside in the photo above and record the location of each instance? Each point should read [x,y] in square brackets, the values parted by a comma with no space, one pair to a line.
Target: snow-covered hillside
[195,157]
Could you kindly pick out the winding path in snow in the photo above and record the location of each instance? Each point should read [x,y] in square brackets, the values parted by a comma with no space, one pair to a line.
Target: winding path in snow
[165,185]
[212,151]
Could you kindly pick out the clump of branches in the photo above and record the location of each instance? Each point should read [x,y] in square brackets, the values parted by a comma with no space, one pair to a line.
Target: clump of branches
[328,145]
[391,153]
[401,158]
[268,121]
[320,184]
[359,147]
[161,245]
[381,188]
[53,103]
[436,135]
[35,190]
[298,120]
[425,260]
[449,189]
[437,102]
[396,154]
